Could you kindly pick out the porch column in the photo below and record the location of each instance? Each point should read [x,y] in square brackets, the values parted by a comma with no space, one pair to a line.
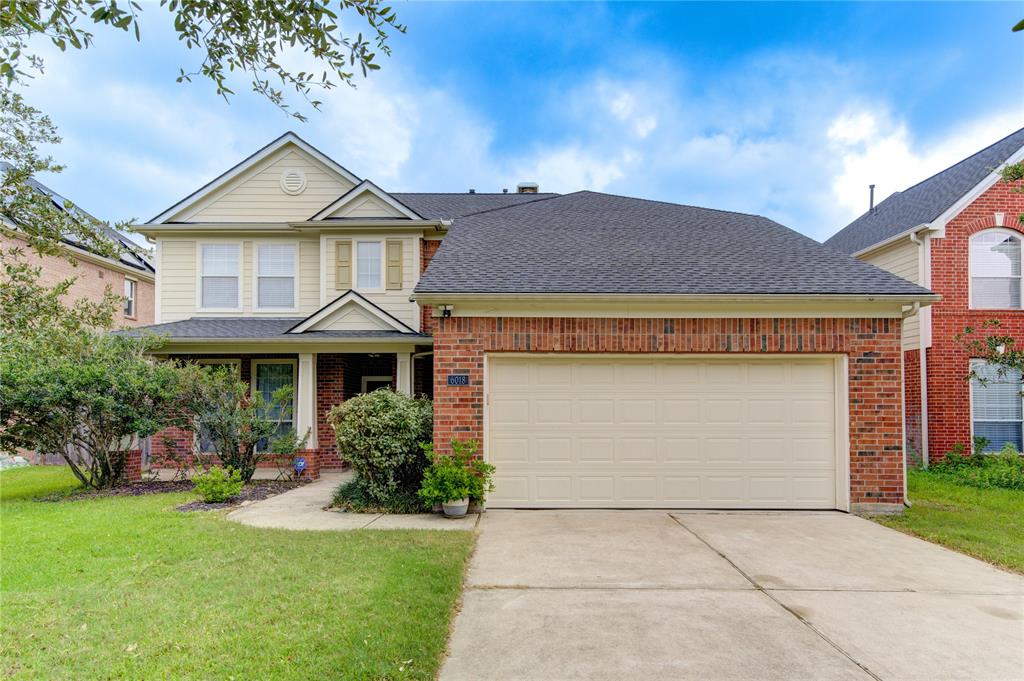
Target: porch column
[305,400]
[403,372]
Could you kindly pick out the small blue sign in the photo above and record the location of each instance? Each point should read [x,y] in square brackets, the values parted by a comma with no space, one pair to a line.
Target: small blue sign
[300,465]
[458,379]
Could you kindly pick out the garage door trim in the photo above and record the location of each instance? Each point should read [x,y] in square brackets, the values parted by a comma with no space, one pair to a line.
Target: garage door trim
[841,401]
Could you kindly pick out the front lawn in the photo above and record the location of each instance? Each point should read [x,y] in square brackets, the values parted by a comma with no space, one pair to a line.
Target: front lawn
[985,523]
[128,588]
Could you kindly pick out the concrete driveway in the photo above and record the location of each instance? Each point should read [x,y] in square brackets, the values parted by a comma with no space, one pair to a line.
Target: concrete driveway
[617,595]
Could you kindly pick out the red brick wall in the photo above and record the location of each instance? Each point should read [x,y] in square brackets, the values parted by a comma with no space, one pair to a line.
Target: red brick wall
[872,345]
[428,247]
[912,401]
[948,365]
[91,281]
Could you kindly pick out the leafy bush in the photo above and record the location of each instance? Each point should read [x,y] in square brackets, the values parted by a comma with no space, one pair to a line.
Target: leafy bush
[218,485]
[1004,470]
[354,496]
[481,473]
[379,434]
[447,479]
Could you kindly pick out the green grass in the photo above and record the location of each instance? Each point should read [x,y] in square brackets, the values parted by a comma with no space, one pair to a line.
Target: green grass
[128,588]
[984,523]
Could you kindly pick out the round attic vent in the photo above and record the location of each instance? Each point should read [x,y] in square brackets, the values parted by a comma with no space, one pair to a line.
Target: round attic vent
[293,181]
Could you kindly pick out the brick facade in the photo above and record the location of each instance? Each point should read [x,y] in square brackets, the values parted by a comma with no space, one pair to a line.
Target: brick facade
[912,404]
[428,247]
[872,346]
[91,281]
[948,365]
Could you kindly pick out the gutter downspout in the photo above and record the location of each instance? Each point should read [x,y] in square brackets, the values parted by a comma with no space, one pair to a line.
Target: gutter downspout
[922,266]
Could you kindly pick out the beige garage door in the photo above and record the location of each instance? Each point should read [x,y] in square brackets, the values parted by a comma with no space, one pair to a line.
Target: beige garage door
[592,431]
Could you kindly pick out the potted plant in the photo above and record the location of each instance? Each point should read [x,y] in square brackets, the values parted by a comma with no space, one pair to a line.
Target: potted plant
[482,474]
[447,482]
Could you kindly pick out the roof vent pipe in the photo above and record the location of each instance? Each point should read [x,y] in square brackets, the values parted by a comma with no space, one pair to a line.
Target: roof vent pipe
[871,198]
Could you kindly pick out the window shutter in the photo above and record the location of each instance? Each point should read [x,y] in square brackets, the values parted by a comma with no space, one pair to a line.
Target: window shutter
[343,265]
[394,275]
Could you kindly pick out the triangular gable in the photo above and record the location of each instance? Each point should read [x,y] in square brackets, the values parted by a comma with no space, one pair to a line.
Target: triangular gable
[350,312]
[366,200]
[226,198]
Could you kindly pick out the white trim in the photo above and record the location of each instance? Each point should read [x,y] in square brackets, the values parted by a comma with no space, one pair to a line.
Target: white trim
[295,380]
[971,363]
[158,286]
[346,298]
[967,199]
[970,268]
[134,298]
[213,187]
[304,418]
[403,372]
[199,274]
[366,379]
[256,277]
[355,265]
[359,190]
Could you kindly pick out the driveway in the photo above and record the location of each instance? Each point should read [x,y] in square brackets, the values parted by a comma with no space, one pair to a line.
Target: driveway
[617,595]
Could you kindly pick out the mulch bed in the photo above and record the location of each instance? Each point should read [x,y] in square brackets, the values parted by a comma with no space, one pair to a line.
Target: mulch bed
[256,490]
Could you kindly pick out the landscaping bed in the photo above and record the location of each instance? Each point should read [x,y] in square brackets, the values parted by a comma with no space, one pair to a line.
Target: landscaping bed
[124,587]
[254,490]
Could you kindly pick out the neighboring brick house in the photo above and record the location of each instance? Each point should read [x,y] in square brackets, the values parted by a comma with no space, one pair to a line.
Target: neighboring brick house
[604,351]
[131,275]
[958,234]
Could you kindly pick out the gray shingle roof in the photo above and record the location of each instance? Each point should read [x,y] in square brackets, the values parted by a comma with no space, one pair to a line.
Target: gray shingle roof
[257,328]
[587,242]
[449,206]
[926,200]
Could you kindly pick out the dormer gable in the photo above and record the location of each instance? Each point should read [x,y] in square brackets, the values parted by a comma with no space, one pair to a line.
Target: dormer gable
[285,181]
[366,201]
[350,312]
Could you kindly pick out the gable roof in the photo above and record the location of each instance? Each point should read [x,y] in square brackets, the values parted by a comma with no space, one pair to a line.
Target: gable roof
[588,242]
[448,206]
[926,201]
[131,254]
[350,298]
[366,186]
[250,161]
[258,328]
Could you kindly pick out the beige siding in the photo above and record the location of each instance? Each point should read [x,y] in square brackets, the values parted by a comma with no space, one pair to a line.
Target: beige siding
[366,205]
[256,196]
[352,318]
[178,274]
[901,259]
[394,302]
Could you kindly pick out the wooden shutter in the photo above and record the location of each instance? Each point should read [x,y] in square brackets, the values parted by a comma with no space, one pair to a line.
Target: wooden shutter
[394,263]
[343,265]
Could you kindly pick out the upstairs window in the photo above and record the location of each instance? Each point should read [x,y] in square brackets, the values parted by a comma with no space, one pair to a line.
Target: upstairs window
[275,276]
[997,407]
[129,298]
[995,271]
[369,255]
[219,272]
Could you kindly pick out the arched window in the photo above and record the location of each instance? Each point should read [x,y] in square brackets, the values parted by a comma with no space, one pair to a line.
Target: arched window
[995,270]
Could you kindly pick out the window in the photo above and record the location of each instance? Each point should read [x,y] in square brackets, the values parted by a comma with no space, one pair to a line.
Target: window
[204,441]
[997,405]
[371,383]
[269,375]
[995,271]
[275,276]
[129,298]
[368,261]
[219,265]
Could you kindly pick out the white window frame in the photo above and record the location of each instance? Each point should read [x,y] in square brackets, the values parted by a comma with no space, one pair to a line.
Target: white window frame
[133,300]
[295,379]
[355,266]
[380,379]
[256,277]
[970,267]
[213,361]
[199,274]
[970,403]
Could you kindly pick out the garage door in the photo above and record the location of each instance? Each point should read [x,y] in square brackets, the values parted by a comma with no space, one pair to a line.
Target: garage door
[661,431]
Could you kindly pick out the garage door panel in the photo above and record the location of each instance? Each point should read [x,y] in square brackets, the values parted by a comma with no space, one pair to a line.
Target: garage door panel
[669,431]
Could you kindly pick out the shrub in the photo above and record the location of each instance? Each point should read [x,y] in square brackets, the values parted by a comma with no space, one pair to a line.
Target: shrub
[218,484]
[447,479]
[352,495]
[379,434]
[1003,470]
[481,473]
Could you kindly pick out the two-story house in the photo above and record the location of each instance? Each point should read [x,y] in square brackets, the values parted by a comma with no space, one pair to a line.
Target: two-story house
[604,351]
[958,234]
[131,274]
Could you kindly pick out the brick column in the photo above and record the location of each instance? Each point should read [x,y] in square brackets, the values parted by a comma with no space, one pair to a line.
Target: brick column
[133,465]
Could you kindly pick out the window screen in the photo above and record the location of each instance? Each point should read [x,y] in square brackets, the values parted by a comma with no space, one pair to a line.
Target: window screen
[220,276]
[368,255]
[996,406]
[995,271]
[275,276]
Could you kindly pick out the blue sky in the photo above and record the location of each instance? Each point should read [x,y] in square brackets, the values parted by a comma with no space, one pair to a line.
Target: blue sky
[786,110]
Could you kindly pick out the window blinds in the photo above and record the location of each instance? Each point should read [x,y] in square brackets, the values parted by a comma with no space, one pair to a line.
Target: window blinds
[995,271]
[997,405]
[220,276]
[275,276]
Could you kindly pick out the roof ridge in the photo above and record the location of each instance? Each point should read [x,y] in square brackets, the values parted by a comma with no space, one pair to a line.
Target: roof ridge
[677,205]
[961,161]
[539,199]
[479,193]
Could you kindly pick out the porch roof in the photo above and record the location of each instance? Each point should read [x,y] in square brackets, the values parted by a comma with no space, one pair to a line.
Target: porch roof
[265,329]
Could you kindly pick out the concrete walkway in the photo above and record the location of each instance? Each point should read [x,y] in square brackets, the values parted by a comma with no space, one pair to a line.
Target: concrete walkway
[303,509]
[620,595]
